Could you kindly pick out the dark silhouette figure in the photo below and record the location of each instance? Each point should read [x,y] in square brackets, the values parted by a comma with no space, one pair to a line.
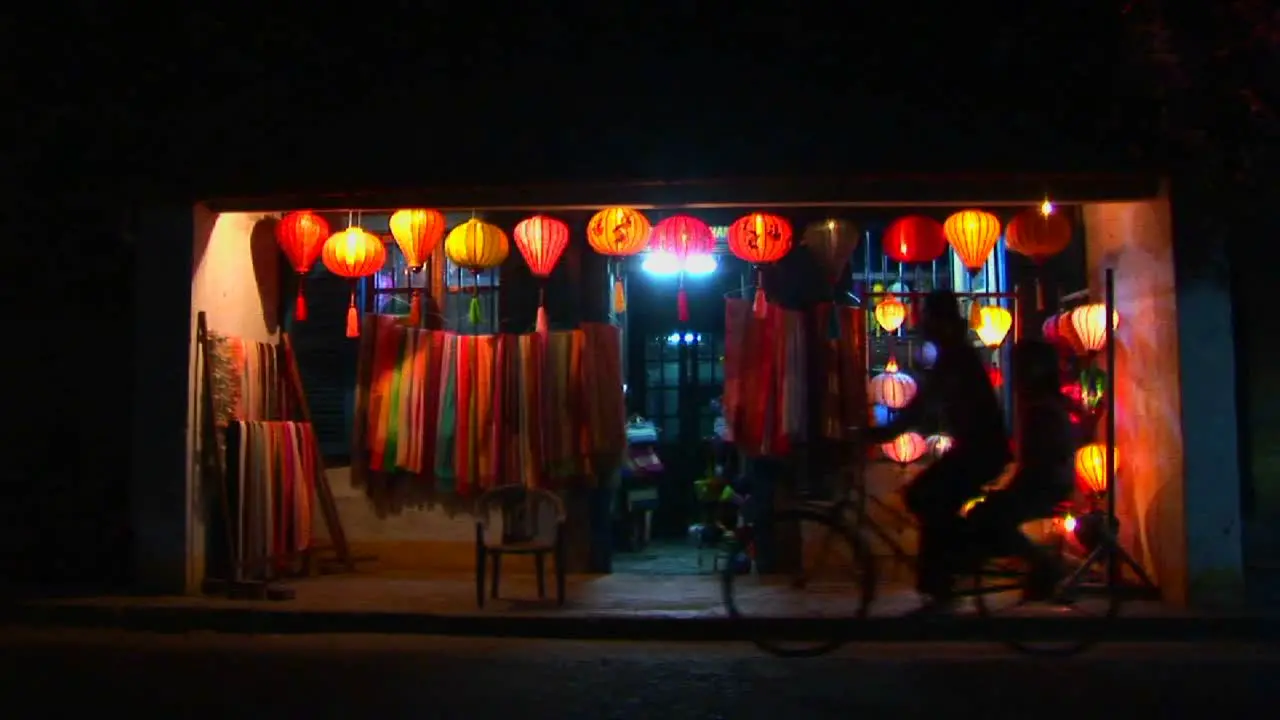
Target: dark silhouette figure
[959,391]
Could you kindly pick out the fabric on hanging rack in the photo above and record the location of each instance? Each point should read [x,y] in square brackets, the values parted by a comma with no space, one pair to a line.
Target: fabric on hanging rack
[604,412]
[793,381]
[845,398]
[766,401]
[517,423]
[563,433]
[271,476]
[447,416]
[247,380]
[466,452]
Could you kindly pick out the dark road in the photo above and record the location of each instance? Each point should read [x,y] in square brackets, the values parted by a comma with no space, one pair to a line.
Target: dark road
[48,673]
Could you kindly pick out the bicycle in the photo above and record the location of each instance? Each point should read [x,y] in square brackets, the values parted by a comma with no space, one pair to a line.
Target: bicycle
[815,529]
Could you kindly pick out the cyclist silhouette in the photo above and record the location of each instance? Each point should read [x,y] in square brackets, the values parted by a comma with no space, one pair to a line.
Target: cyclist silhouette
[958,388]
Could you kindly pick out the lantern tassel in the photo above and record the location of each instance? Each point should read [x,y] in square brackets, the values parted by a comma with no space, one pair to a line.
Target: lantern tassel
[619,297]
[353,319]
[540,326]
[300,305]
[415,308]
[473,313]
[761,304]
[1039,296]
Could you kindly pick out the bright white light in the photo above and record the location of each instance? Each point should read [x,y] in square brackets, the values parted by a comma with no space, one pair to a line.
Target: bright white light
[667,264]
[673,339]
[700,264]
[687,338]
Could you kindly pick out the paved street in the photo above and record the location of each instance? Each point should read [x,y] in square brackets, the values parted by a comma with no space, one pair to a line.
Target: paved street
[48,673]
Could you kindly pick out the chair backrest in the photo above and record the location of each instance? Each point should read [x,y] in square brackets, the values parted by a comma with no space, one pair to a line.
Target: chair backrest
[525,512]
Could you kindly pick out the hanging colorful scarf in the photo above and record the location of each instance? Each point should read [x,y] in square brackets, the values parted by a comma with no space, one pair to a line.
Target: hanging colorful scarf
[561,431]
[447,417]
[604,410]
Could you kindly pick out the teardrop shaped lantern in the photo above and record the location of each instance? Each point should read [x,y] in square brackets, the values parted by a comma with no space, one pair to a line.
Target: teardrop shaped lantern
[914,239]
[905,449]
[760,239]
[1089,324]
[993,325]
[353,254]
[618,232]
[301,236]
[890,313]
[417,231]
[1067,333]
[972,234]
[1091,467]
[895,390]
[1038,235]
[476,246]
[683,236]
[831,242]
[541,240]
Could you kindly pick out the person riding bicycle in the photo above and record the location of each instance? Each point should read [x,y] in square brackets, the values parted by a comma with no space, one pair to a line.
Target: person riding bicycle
[959,389]
[1045,476]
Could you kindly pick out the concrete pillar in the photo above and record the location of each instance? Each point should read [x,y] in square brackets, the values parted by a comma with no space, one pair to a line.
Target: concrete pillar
[162,322]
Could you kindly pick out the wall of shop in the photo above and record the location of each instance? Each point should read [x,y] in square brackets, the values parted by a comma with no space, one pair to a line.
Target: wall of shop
[1175,441]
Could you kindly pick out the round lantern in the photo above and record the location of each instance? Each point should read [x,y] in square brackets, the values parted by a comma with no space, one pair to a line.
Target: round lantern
[905,449]
[993,325]
[973,235]
[683,236]
[1089,323]
[301,236]
[890,313]
[476,246]
[353,254]
[939,444]
[914,239]
[893,389]
[417,231]
[760,239]
[616,233]
[1091,467]
[831,242]
[541,240]
[1038,235]
[1067,333]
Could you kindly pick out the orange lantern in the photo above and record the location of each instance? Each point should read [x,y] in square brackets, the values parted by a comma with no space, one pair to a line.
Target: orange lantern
[683,236]
[1067,333]
[973,235]
[760,239]
[301,236]
[417,231]
[993,325]
[541,240]
[1038,234]
[353,254]
[1089,324]
[905,449]
[893,389]
[914,239]
[618,232]
[477,246]
[890,313]
[1091,467]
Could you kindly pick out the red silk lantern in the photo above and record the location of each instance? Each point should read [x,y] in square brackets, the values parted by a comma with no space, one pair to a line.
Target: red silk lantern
[541,241]
[417,232]
[972,235]
[683,236]
[353,254]
[914,239]
[1038,236]
[618,232]
[760,239]
[301,236]
[905,449]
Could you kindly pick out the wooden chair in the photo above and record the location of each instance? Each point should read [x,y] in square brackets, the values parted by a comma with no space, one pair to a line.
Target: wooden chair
[524,530]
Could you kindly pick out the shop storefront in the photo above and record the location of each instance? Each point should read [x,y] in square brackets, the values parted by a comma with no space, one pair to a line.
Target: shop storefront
[405,445]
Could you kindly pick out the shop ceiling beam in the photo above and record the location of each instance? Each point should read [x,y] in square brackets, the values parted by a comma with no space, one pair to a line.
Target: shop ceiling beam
[869,191]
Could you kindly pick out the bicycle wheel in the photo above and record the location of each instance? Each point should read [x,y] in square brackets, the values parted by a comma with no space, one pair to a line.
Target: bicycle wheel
[820,571]
[997,593]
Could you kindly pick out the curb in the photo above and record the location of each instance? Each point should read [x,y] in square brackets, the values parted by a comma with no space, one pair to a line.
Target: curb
[644,628]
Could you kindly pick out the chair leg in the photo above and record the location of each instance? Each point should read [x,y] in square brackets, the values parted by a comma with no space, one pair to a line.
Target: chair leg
[480,568]
[540,565]
[497,571]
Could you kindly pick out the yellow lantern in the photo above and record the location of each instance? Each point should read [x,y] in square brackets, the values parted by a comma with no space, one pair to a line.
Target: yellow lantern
[893,389]
[1089,324]
[890,313]
[972,234]
[1091,467]
[904,449]
[417,231]
[993,325]
[477,246]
